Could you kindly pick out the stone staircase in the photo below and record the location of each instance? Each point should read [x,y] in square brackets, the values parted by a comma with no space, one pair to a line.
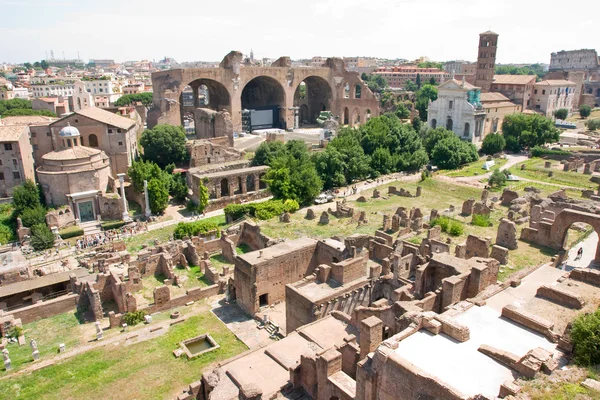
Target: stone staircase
[91,228]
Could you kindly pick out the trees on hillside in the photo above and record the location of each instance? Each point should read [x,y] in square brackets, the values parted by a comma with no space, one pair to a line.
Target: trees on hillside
[528,130]
[423,96]
[446,150]
[26,196]
[164,144]
[158,192]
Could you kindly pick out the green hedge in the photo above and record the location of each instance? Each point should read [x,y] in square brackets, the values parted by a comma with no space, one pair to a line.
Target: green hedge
[263,210]
[538,151]
[112,225]
[448,225]
[71,231]
[190,229]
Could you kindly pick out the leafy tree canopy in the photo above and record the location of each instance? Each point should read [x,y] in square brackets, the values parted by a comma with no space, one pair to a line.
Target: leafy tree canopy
[493,143]
[164,144]
[26,196]
[533,69]
[528,130]
[267,152]
[144,98]
[430,64]
[561,113]
[585,111]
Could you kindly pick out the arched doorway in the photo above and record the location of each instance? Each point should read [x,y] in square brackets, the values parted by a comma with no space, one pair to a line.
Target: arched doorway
[238,188]
[467,130]
[93,140]
[224,187]
[557,236]
[264,97]
[347,90]
[449,124]
[434,123]
[261,183]
[203,93]
[313,95]
[367,115]
[303,114]
[355,117]
[250,187]
[357,91]
[346,116]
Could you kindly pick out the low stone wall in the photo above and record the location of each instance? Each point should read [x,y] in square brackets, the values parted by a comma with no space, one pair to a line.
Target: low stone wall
[47,309]
[530,321]
[561,296]
[194,294]
[586,275]
[222,202]
[454,329]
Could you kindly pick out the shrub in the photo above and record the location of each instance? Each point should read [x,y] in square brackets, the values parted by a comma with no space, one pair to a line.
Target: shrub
[263,210]
[15,332]
[106,226]
[497,179]
[481,220]
[493,143]
[448,225]
[26,196]
[71,231]
[538,151]
[455,228]
[33,216]
[291,206]
[134,318]
[593,124]
[585,111]
[585,335]
[41,237]
[561,113]
[190,229]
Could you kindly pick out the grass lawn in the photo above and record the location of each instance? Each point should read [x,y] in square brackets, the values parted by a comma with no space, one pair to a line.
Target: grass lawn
[575,117]
[7,224]
[535,170]
[146,370]
[474,168]
[135,243]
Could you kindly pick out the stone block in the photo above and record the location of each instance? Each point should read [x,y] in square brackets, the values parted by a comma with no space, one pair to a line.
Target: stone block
[500,253]
[507,234]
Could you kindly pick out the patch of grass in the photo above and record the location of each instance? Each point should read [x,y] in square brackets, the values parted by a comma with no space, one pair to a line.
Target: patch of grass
[7,224]
[475,168]
[108,225]
[134,243]
[218,262]
[243,249]
[134,208]
[144,370]
[70,232]
[481,220]
[534,169]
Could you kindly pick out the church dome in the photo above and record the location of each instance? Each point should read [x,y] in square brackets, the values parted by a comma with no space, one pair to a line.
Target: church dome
[69,132]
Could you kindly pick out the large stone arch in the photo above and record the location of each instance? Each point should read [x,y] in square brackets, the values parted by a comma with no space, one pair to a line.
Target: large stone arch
[264,93]
[562,223]
[317,98]
[219,98]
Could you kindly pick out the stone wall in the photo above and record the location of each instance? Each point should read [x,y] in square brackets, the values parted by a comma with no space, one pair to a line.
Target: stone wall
[47,308]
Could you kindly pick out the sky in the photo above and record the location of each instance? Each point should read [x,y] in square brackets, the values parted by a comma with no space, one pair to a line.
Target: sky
[201,30]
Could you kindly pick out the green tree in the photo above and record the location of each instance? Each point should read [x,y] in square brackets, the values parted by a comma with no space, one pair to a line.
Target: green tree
[561,113]
[382,162]
[375,82]
[267,152]
[128,99]
[585,111]
[410,86]
[28,65]
[451,152]
[293,175]
[158,195]
[424,95]
[202,197]
[26,196]
[528,130]
[432,81]
[33,216]
[146,170]
[178,189]
[42,237]
[356,163]
[418,81]
[493,143]
[417,124]
[44,64]
[430,64]
[497,179]
[331,167]
[402,112]
[593,124]
[164,144]
[585,335]
[21,112]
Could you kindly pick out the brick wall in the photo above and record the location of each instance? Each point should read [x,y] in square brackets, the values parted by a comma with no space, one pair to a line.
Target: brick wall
[47,308]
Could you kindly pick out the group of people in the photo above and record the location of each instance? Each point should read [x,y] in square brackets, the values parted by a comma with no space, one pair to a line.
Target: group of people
[101,238]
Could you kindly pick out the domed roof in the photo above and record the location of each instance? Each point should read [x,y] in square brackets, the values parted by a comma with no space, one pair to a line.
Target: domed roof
[69,131]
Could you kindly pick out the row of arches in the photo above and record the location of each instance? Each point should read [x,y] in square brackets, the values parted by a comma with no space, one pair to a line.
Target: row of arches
[450,126]
[231,186]
[356,118]
[313,95]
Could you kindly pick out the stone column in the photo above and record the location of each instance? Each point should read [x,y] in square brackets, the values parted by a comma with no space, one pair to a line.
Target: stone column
[244,188]
[125,211]
[147,199]
[218,190]
[296,117]
[257,182]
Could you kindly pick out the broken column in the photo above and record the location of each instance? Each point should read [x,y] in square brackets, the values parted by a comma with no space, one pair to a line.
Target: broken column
[507,234]
[123,199]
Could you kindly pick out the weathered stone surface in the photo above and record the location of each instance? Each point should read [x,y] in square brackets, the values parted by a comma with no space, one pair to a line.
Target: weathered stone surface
[507,234]
[500,253]
[285,217]
[310,214]
[467,206]
[324,219]
[508,196]
[162,295]
[361,199]
[376,194]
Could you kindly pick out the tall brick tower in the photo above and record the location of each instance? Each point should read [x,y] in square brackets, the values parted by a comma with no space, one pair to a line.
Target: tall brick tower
[486,60]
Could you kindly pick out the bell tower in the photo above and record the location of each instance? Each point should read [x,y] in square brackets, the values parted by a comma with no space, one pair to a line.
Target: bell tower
[486,60]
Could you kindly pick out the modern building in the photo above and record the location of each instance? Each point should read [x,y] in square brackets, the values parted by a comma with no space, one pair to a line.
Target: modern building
[517,88]
[486,60]
[458,108]
[105,91]
[57,105]
[40,135]
[54,89]
[551,95]
[396,77]
[102,63]
[460,67]
[16,158]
